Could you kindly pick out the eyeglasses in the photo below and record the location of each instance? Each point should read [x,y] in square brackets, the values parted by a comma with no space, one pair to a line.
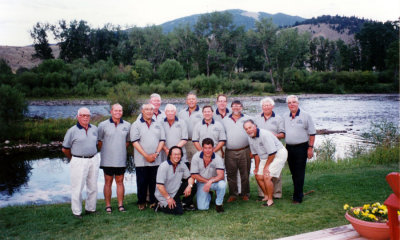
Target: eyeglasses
[84,115]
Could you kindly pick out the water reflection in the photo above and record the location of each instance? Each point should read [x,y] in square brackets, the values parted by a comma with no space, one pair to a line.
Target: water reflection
[45,180]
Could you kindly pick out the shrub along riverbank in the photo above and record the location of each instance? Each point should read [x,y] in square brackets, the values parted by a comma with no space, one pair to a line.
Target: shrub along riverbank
[354,181]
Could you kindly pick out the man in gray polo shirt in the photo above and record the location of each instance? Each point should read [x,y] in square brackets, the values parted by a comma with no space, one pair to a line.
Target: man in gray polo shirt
[191,115]
[222,111]
[209,128]
[268,120]
[209,171]
[147,137]
[299,136]
[113,138]
[173,180]
[269,155]
[237,155]
[80,146]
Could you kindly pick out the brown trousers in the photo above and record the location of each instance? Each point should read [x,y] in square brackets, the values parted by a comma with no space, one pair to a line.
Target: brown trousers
[234,161]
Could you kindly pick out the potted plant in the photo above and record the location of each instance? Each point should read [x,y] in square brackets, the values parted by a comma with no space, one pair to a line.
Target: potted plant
[369,221]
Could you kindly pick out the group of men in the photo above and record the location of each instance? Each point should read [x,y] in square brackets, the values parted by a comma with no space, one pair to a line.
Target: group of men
[189,153]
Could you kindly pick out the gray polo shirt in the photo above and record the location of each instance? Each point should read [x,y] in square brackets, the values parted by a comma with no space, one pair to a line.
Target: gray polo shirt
[113,138]
[175,133]
[299,128]
[171,179]
[149,138]
[197,165]
[236,136]
[215,131]
[217,116]
[274,124]
[264,144]
[191,119]
[82,142]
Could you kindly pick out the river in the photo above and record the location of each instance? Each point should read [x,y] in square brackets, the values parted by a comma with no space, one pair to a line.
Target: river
[45,179]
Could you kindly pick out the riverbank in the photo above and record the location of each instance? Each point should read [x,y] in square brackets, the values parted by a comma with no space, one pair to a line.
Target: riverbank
[201,99]
[333,185]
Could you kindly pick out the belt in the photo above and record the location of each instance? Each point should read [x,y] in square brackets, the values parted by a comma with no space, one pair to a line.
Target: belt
[239,149]
[83,156]
[297,145]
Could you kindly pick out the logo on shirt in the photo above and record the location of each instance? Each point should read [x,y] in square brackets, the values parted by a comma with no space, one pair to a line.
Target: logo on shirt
[125,129]
[178,126]
[94,134]
[157,127]
[274,123]
[261,144]
[299,121]
[199,116]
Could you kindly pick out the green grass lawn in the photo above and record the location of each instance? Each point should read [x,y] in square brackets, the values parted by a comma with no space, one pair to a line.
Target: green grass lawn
[333,188]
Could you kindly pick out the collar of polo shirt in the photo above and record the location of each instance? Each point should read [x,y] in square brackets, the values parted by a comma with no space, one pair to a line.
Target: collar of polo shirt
[166,120]
[241,115]
[217,112]
[80,126]
[170,163]
[142,120]
[204,122]
[272,115]
[120,121]
[197,108]
[257,133]
[297,113]
[202,155]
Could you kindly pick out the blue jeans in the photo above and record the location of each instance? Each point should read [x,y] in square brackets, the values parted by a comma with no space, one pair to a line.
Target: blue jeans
[204,198]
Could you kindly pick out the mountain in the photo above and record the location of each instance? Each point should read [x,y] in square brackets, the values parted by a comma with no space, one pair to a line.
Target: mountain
[240,18]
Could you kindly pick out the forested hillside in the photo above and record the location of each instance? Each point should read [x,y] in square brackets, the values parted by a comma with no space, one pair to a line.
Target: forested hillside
[215,55]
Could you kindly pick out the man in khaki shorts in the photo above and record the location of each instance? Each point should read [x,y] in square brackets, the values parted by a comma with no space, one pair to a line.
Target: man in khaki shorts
[269,155]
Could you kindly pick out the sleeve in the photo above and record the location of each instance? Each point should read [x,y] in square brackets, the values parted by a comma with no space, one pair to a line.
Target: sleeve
[162,133]
[196,134]
[281,125]
[161,175]
[222,133]
[186,172]
[184,134]
[127,135]
[252,150]
[67,143]
[269,144]
[311,126]
[100,132]
[194,167]
[135,133]
[219,164]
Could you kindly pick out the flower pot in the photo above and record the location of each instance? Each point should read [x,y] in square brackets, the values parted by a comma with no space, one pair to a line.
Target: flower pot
[370,230]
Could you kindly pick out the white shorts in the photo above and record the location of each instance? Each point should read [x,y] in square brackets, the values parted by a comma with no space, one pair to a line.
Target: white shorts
[277,164]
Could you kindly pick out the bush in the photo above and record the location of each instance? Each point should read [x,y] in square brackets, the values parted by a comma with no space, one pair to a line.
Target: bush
[12,109]
[169,70]
[145,71]
[126,95]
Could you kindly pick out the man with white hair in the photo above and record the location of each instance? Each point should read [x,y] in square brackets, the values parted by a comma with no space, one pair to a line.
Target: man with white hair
[272,122]
[299,136]
[80,146]
[176,135]
[147,137]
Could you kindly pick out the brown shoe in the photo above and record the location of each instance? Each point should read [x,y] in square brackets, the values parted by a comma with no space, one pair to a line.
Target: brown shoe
[219,208]
[245,198]
[231,199]
[295,202]
[141,206]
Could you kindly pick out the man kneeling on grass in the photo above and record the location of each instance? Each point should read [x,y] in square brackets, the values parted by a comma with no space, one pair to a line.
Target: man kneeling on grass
[209,170]
[173,180]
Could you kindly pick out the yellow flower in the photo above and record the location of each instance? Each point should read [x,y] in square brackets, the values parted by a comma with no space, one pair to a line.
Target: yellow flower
[346,206]
[366,206]
[374,210]
[372,216]
[398,212]
[356,211]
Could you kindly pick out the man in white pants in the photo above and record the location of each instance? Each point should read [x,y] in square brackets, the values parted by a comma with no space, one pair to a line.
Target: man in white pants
[269,155]
[80,146]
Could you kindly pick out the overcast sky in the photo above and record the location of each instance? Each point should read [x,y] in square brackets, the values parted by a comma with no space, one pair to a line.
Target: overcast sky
[17,17]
